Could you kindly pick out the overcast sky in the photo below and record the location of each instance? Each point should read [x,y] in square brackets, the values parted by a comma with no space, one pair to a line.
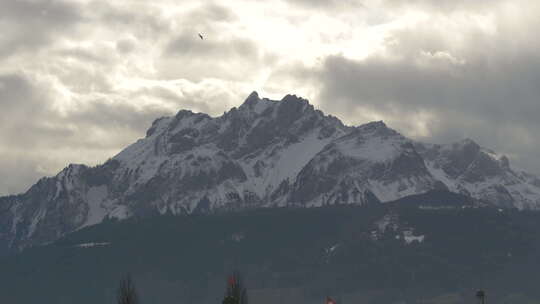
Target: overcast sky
[80,80]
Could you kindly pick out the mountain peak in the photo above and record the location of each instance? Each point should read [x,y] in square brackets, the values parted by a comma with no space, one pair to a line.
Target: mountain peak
[294,98]
[252,98]
[290,102]
[505,163]
[254,103]
[467,145]
[467,142]
[378,128]
[375,124]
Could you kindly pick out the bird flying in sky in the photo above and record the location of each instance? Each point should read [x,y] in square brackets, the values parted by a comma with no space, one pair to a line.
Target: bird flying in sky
[201,36]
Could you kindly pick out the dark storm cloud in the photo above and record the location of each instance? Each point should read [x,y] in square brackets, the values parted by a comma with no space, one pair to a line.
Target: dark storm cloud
[27,25]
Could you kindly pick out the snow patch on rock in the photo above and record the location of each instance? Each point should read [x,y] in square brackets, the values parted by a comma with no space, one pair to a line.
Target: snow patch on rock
[96,211]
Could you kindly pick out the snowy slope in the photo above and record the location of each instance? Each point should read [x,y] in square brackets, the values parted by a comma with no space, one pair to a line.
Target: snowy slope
[370,164]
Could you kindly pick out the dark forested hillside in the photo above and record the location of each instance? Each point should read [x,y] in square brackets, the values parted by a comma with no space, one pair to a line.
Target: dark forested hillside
[437,248]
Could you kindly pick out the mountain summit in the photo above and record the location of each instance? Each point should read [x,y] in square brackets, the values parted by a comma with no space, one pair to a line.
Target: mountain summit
[264,153]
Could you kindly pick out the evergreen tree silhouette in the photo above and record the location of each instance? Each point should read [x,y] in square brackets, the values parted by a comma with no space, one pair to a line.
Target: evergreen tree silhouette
[126,291]
[481,296]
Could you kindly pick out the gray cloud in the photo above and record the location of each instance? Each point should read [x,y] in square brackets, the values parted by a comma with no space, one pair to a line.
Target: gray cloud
[485,89]
[219,41]
[83,55]
[32,24]
[223,54]
[178,99]
[126,46]
[30,123]
[141,18]
[22,109]
[443,6]
[213,12]
[20,128]
[328,4]
[17,173]
[62,64]
[189,45]
[38,139]
[81,80]
[114,117]
[220,56]
[53,13]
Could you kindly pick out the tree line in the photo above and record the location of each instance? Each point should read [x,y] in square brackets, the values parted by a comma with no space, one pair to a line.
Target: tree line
[235,292]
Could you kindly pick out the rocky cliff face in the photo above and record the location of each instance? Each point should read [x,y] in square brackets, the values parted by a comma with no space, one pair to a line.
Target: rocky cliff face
[264,153]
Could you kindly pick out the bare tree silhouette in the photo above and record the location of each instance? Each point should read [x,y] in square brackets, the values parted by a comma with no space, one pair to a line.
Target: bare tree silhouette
[126,291]
[481,296]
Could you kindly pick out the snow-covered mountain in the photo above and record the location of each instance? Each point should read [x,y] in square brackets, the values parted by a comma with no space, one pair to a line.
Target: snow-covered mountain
[264,153]
[465,167]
